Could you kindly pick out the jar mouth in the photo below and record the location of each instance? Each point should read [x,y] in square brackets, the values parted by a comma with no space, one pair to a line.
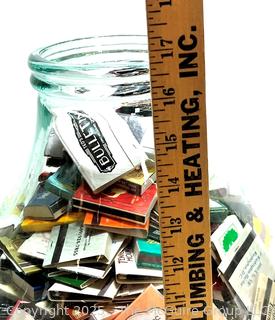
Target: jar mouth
[90,68]
[85,54]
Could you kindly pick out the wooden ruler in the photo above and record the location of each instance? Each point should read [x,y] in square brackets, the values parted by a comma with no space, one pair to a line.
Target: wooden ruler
[176,48]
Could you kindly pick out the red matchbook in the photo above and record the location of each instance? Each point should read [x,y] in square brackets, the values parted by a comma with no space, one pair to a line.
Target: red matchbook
[117,202]
[116,225]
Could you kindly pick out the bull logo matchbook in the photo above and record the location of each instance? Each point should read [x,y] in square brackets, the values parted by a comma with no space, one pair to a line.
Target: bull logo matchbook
[92,141]
[95,140]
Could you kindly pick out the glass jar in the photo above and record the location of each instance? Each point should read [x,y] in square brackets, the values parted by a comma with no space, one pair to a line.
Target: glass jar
[100,69]
[104,71]
[110,75]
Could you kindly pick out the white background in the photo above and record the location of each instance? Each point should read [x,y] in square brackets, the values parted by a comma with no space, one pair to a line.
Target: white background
[240,55]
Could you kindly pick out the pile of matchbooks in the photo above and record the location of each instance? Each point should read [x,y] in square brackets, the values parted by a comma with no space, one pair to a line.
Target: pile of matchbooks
[89,239]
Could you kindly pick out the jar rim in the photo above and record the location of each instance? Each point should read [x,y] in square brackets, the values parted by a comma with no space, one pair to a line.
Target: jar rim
[67,54]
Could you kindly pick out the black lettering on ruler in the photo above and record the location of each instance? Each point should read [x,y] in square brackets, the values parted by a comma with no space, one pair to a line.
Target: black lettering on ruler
[164,42]
[197,274]
[165,3]
[188,65]
[190,144]
[172,140]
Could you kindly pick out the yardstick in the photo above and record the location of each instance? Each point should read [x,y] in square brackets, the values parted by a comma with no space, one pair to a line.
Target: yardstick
[176,50]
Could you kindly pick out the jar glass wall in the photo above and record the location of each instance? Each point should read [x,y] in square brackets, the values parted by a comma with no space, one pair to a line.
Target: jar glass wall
[99,89]
[97,72]
[89,90]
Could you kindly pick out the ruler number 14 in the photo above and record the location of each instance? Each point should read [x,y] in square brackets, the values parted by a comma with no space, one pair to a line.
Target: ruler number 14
[175,187]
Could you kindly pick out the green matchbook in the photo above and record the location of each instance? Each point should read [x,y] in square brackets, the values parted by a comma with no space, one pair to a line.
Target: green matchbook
[77,281]
[147,253]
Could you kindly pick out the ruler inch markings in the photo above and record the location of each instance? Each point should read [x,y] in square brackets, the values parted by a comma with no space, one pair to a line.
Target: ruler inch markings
[171,206]
[162,49]
[156,37]
[170,227]
[177,302]
[162,121]
[177,71]
[157,24]
[157,62]
[157,87]
[164,98]
[173,265]
[173,284]
[154,11]
[170,185]
[159,110]
[160,74]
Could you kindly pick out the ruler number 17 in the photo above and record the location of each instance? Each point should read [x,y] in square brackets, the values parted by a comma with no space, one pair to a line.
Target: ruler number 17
[167,46]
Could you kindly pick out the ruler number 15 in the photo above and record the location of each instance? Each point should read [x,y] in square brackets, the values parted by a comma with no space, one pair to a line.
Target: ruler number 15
[171,142]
